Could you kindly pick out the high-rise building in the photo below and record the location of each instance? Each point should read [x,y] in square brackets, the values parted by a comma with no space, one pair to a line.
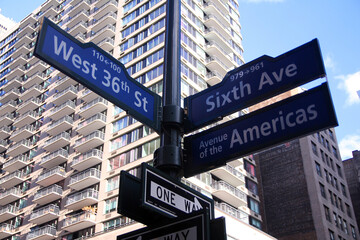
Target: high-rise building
[5,24]
[63,147]
[303,189]
[352,174]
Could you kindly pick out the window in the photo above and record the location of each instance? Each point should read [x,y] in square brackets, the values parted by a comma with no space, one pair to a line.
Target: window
[318,169]
[254,205]
[353,233]
[335,219]
[331,134]
[314,148]
[117,222]
[254,222]
[250,168]
[334,151]
[343,190]
[112,183]
[348,210]
[345,227]
[252,186]
[339,170]
[331,233]
[327,213]
[110,205]
[322,190]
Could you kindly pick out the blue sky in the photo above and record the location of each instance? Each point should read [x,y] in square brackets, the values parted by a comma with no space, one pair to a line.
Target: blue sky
[273,27]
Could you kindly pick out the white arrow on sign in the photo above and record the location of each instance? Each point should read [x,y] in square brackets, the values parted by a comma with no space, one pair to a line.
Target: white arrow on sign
[173,199]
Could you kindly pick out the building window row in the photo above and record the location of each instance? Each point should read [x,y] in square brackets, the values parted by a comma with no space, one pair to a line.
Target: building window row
[130,137]
[128,18]
[146,62]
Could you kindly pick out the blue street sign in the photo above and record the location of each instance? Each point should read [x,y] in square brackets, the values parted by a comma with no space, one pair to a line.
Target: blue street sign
[293,117]
[99,71]
[253,82]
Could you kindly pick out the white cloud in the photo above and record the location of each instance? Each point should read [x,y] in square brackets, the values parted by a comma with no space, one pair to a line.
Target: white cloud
[348,144]
[350,84]
[329,62]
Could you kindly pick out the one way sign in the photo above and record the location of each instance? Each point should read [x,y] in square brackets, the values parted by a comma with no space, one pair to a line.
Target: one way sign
[169,196]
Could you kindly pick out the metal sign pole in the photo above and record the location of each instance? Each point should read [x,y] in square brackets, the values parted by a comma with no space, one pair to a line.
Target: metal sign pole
[168,157]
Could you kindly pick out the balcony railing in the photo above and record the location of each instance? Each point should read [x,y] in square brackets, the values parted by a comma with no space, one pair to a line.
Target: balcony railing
[221,185]
[15,191]
[65,135]
[48,190]
[242,216]
[85,156]
[55,170]
[92,172]
[18,174]
[95,134]
[44,210]
[87,193]
[60,152]
[77,218]
[9,209]
[98,116]
[46,230]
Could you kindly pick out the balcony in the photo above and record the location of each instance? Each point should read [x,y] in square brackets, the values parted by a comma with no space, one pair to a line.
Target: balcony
[36,78]
[17,71]
[109,18]
[229,194]
[16,163]
[12,179]
[67,94]
[107,32]
[85,179]
[44,233]
[3,145]
[64,83]
[11,95]
[39,66]
[82,15]
[81,199]
[54,159]
[61,125]
[48,194]
[234,212]
[51,176]
[79,27]
[95,106]
[57,142]
[6,230]
[87,95]
[44,214]
[6,119]
[214,49]
[95,122]
[106,44]
[10,195]
[15,82]
[19,60]
[79,221]
[66,108]
[219,22]
[5,132]
[7,212]
[213,78]
[29,105]
[86,160]
[85,4]
[23,133]
[215,64]
[9,107]
[109,6]
[25,119]
[19,148]
[230,175]
[34,91]
[90,141]
[221,5]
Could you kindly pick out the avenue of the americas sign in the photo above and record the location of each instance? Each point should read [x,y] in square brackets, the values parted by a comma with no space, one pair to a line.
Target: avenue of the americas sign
[99,71]
[293,117]
[253,82]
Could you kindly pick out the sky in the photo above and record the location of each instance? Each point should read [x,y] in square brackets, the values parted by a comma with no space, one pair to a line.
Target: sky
[273,27]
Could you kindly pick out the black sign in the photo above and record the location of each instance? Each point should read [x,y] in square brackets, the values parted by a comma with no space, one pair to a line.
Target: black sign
[194,227]
[169,196]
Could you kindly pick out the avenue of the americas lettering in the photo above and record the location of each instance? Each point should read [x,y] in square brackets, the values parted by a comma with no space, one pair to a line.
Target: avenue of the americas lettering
[242,90]
[266,128]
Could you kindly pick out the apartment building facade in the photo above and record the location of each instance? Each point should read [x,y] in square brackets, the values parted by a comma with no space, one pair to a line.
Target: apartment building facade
[63,146]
